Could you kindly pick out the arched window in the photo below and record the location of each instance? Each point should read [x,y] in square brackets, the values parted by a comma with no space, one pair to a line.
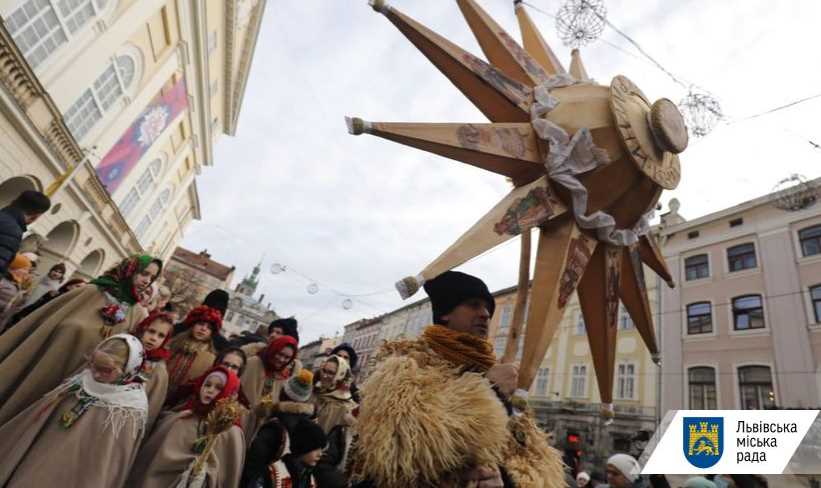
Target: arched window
[40,27]
[146,184]
[107,89]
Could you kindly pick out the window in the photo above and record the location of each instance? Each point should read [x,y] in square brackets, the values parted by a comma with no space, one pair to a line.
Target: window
[625,322]
[815,295]
[810,240]
[506,318]
[580,327]
[741,257]
[499,346]
[109,87]
[625,385]
[756,386]
[212,41]
[578,385]
[699,318]
[39,28]
[146,184]
[696,267]
[541,381]
[748,313]
[154,212]
[702,382]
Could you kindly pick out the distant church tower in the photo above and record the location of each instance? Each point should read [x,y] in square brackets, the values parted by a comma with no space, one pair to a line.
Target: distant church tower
[248,285]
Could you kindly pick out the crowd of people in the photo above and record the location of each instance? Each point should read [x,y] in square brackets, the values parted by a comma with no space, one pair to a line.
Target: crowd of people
[102,385]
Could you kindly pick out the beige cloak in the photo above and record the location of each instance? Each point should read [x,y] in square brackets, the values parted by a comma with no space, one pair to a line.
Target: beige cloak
[168,452]
[39,452]
[253,384]
[424,420]
[189,360]
[50,344]
[156,389]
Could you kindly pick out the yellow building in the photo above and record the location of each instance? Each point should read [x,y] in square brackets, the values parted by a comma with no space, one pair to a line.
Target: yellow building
[565,393]
[135,93]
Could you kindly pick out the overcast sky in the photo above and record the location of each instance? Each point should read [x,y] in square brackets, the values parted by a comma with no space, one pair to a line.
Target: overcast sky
[357,213]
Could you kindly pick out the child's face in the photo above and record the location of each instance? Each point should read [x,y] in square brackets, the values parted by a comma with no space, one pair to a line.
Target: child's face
[210,389]
[311,458]
[201,331]
[155,334]
[103,368]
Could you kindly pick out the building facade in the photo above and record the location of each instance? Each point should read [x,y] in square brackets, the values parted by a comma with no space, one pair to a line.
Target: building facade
[313,353]
[121,101]
[190,276]
[364,336]
[245,312]
[743,328]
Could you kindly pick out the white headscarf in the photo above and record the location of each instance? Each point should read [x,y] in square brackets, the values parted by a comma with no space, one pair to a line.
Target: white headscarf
[125,400]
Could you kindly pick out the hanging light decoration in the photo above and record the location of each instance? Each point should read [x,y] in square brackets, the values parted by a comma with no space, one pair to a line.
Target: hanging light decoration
[580,22]
[347,304]
[794,193]
[277,268]
[701,112]
[313,289]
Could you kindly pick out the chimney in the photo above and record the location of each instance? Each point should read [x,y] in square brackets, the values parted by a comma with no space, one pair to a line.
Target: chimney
[204,254]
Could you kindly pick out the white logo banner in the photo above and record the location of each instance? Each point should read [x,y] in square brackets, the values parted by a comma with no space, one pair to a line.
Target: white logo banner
[735,442]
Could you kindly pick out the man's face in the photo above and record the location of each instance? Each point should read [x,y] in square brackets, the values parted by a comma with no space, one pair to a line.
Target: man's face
[233,362]
[615,478]
[276,333]
[30,218]
[471,317]
[344,355]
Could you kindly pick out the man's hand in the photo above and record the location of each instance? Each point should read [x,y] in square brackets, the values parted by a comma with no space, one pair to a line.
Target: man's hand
[505,377]
[484,477]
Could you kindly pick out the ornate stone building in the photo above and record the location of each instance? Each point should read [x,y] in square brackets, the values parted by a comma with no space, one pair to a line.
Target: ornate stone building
[246,313]
[121,101]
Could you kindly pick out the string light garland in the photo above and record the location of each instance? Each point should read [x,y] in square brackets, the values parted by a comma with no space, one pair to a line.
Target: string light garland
[701,109]
[580,22]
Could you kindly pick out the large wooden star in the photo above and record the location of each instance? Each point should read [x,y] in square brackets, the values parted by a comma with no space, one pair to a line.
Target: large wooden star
[641,142]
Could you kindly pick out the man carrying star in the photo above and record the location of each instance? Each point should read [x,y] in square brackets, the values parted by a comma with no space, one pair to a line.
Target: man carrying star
[435,411]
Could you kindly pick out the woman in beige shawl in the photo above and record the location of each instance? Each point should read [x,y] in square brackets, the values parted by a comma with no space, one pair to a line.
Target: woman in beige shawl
[169,453]
[86,432]
[52,342]
[155,332]
[263,380]
[335,413]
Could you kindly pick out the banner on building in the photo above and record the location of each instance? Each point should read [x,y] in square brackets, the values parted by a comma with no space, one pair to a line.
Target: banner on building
[736,442]
[138,139]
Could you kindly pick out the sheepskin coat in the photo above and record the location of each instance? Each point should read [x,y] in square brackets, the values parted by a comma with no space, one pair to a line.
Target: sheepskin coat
[424,420]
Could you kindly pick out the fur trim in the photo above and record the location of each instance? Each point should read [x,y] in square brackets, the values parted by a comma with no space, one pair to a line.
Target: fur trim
[421,420]
[530,460]
[295,407]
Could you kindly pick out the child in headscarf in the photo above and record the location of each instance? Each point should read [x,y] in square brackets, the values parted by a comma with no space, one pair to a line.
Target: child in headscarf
[84,433]
[180,437]
[154,333]
[194,350]
[51,343]
[335,414]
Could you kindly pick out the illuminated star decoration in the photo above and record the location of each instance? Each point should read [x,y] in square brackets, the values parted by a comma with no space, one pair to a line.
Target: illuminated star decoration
[587,162]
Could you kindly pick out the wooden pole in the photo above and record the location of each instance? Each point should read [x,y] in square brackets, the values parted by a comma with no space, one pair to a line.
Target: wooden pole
[515,332]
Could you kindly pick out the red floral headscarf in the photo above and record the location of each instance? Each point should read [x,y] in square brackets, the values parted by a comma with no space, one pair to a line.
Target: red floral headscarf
[204,313]
[275,347]
[231,387]
[161,353]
